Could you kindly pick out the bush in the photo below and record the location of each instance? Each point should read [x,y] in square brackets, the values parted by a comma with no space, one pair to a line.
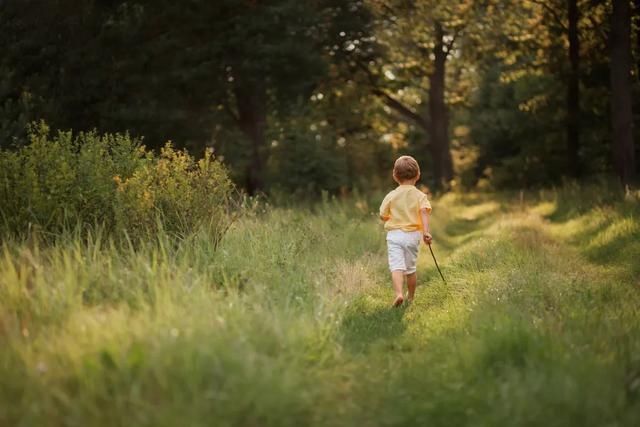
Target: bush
[57,182]
[186,195]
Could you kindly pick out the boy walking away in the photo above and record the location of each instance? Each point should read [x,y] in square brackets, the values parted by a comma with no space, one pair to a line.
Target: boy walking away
[405,212]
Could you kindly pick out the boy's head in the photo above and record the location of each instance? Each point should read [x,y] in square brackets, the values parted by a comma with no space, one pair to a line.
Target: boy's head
[406,169]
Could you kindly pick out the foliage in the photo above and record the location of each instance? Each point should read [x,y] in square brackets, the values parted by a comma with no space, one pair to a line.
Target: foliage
[205,75]
[308,164]
[235,76]
[186,194]
[58,180]
[62,181]
[518,114]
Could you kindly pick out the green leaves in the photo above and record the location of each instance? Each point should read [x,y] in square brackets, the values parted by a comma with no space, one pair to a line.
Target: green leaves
[58,182]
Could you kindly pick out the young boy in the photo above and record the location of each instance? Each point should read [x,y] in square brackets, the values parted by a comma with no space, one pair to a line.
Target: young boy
[405,212]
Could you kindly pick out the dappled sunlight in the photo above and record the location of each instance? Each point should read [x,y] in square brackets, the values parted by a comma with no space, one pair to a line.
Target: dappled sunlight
[475,212]
[520,299]
[620,229]
[544,209]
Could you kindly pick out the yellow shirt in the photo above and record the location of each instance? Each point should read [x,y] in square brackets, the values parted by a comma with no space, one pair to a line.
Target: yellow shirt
[400,209]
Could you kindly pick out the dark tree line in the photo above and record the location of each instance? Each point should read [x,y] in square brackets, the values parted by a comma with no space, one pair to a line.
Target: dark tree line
[321,94]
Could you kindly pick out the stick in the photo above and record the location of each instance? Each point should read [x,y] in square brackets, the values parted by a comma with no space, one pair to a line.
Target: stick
[437,266]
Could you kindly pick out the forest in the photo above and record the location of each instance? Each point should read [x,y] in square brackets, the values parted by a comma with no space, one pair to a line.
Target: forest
[308,96]
[193,228]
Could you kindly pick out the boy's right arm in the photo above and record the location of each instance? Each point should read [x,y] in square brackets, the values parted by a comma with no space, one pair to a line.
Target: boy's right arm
[385,211]
[425,210]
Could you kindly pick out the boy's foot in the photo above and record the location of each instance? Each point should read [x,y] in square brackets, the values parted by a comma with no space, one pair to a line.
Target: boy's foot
[398,301]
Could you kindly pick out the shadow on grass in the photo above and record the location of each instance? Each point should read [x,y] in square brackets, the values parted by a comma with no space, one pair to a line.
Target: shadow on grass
[605,237]
[573,202]
[459,230]
[364,325]
[461,225]
[623,251]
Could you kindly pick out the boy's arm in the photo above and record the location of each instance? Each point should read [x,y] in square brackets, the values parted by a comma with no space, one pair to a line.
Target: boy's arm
[385,212]
[426,235]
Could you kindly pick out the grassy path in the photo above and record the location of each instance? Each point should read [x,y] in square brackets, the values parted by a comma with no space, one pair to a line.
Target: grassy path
[538,325]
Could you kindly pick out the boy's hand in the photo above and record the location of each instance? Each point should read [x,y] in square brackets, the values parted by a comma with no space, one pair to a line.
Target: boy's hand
[427,237]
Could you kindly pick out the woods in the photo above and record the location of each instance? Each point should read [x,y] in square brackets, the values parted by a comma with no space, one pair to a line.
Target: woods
[514,94]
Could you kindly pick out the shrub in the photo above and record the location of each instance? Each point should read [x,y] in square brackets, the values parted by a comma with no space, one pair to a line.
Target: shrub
[57,182]
[176,193]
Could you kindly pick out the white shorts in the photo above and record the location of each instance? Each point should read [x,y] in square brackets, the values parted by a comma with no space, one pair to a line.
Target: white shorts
[403,247]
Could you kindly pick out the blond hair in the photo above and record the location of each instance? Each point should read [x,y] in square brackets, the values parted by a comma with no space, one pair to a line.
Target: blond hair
[406,168]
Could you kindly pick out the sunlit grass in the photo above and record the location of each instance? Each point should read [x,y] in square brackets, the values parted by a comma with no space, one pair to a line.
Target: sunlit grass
[289,322]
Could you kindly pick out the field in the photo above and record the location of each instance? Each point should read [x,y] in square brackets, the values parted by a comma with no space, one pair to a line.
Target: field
[288,321]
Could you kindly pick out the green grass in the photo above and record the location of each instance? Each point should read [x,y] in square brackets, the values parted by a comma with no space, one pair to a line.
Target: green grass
[289,321]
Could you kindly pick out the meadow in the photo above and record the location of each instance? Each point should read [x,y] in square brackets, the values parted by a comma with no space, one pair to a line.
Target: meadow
[287,320]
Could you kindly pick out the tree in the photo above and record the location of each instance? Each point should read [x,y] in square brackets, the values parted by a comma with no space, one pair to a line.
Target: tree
[573,90]
[621,110]
[418,40]
[566,20]
[170,70]
[637,26]
[520,88]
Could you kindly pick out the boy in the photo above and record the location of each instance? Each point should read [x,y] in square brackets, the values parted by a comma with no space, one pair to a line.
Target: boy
[405,212]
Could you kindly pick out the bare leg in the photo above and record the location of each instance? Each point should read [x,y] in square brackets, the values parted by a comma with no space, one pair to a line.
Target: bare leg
[412,281]
[398,279]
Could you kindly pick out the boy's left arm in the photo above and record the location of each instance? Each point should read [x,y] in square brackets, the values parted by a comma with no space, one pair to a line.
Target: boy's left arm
[426,235]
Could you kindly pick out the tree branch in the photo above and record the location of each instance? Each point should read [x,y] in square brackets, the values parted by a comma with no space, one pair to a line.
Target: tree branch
[597,28]
[449,46]
[402,109]
[553,12]
[391,102]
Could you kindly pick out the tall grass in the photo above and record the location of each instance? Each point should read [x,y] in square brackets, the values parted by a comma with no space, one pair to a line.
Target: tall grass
[92,328]
[288,321]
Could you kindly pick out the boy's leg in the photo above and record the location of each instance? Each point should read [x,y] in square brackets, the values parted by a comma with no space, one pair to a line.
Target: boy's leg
[411,257]
[397,266]
[397,277]
[412,281]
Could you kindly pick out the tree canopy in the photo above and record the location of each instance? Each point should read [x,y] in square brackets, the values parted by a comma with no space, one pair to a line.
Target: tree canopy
[320,95]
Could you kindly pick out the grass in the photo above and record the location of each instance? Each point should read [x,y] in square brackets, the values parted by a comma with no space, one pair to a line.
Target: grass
[289,321]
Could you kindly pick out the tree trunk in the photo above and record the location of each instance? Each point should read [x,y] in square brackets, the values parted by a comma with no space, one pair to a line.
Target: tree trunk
[573,92]
[621,110]
[439,121]
[637,24]
[251,103]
